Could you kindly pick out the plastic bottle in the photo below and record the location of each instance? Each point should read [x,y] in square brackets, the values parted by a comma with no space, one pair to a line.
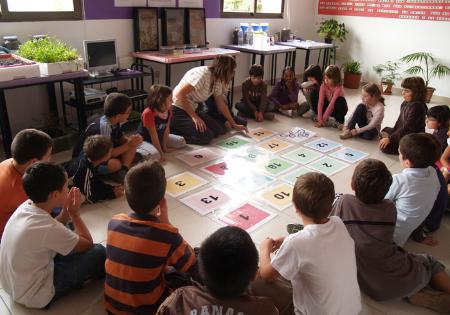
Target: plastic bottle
[235,36]
[249,37]
[240,37]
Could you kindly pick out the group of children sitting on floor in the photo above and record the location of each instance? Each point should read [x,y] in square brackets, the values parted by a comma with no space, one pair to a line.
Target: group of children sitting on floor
[343,246]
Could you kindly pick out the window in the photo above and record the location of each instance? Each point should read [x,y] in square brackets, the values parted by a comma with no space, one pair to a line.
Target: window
[252,8]
[40,10]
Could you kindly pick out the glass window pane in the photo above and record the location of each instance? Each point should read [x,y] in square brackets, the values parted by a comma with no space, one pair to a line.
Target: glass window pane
[268,6]
[245,6]
[40,5]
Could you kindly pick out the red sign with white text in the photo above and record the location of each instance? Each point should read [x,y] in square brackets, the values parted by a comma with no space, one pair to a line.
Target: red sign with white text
[437,10]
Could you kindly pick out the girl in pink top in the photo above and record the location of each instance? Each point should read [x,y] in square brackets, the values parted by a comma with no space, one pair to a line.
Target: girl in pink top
[331,99]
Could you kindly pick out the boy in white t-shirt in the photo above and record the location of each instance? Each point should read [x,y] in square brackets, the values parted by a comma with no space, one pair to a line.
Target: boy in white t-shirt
[318,260]
[40,259]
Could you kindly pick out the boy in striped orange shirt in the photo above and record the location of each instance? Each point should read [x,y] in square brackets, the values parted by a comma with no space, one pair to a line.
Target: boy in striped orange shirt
[143,245]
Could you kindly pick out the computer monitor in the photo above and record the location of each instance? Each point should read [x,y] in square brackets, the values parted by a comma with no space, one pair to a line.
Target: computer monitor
[100,56]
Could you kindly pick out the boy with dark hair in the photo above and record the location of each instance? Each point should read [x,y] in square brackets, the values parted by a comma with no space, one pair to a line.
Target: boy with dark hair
[84,170]
[414,191]
[28,147]
[42,260]
[386,271]
[319,259]
[117,109]
[228,263]
[142,246]
[254,102]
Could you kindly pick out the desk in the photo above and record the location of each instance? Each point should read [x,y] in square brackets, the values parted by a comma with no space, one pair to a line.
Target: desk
[76,77]
[309,45]
[270,50]
[169,60]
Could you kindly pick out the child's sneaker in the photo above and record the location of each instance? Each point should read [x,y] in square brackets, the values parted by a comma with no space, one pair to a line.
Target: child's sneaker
[303,108]
[332,122]
[269,116]
[346,134]
[435,300]
[287,112]
[294,228]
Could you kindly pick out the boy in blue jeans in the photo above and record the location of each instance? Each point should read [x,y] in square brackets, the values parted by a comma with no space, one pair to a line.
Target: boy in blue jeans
[40,259]
[416,188]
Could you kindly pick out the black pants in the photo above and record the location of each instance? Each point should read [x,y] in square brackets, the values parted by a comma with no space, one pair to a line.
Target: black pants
[214,112]
[392,147]
[339,111]
[182,125]
[360,118]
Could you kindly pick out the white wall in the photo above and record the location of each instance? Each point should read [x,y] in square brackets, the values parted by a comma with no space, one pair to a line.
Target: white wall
[376,40]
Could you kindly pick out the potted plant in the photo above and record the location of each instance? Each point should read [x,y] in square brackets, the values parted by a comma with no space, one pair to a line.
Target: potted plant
[332,30]
[53,55]
[352,74]
[389,74]
[427,67]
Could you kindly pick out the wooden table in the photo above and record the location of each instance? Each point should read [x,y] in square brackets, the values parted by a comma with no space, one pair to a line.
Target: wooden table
[169,60]
[76,77]
[309,45]
[270,50]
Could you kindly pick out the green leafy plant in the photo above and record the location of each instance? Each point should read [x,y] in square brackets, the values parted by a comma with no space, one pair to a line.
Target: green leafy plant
[388,71]
[426,66]
[332,30]
[47,50]
[352,66]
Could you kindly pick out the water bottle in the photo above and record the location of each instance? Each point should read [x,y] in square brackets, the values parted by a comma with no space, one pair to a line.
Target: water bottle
[240,38]
[235,37]
[249,37]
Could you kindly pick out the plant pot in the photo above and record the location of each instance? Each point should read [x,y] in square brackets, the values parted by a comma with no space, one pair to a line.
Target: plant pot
[430,92]
[328,40]
[63,139]
[352,80]
[60,67]
[14,67]
[386,88]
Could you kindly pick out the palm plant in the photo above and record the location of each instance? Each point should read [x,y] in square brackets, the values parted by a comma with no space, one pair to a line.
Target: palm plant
[426,66]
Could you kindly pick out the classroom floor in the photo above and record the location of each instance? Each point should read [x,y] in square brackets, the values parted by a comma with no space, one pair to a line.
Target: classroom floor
[195,227]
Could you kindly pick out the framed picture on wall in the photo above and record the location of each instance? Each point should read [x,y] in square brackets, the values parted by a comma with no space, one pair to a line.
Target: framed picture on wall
[146,29]
[173,24]
[197,27]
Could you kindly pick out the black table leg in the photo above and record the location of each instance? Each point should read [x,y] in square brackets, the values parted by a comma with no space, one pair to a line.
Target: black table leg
[253,59]
[202,62]
[81,104]
[324,62]
[261,62]
[294,56]
[63,103]
[273,74]
[53,106]
[307,59]
[4,124]
[168,74]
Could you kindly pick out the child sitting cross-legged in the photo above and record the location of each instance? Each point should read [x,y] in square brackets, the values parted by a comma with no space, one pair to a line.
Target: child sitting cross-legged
[332,105]
[366,120]
[284,95]
[96,150]
[228,263]
[312,80]
[117,109]
[254,103]
[155,124]
[415,189]
[318,260]
[386,271]
[147,258]
[40,259]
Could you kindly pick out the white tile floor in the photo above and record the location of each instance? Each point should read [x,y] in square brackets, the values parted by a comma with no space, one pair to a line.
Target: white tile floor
[195,228]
